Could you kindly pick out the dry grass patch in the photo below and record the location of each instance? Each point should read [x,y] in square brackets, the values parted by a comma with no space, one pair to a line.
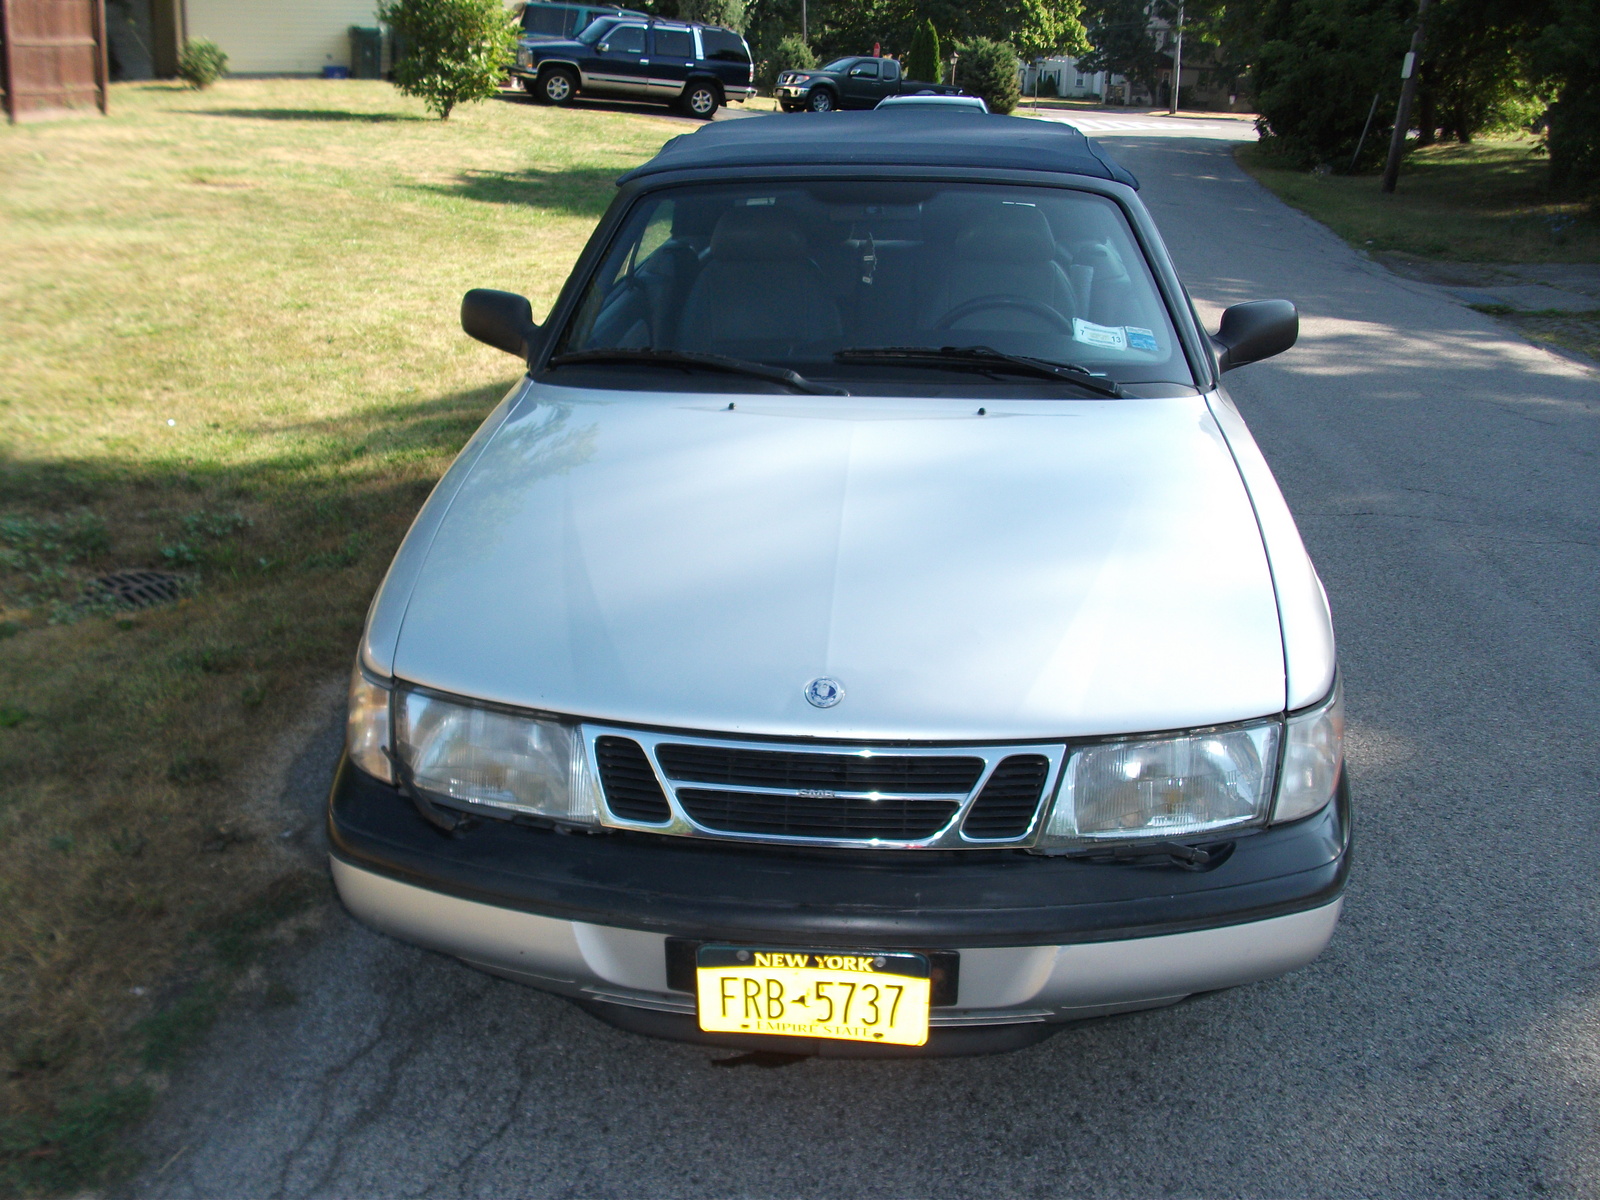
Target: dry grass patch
[1483,202]
[228,351]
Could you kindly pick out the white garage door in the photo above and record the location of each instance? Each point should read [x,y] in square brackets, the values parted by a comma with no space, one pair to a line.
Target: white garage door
[271,37]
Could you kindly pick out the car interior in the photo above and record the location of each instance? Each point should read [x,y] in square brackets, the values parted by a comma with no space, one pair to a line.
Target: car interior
[793,274]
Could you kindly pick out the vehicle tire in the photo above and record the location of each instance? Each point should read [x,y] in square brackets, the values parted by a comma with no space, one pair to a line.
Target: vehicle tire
[701,100]
[821,100]
[557,85]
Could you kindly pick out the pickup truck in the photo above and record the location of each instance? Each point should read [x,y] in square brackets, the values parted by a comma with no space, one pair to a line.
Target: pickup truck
[850,83]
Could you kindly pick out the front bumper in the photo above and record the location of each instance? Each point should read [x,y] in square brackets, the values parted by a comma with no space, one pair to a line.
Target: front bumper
[1040,940]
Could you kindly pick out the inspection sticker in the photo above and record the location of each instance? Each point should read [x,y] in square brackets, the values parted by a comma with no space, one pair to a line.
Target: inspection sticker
[1140,339]
[1107,337]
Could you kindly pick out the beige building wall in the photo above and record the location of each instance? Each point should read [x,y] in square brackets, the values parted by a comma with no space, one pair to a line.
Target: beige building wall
[280,37]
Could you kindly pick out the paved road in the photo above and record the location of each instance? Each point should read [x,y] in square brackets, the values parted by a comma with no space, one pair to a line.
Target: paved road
[1446,479]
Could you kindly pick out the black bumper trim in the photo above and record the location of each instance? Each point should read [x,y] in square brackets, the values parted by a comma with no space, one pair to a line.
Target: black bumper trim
[907,899]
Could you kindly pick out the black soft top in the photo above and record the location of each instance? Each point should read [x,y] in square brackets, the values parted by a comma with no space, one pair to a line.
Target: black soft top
[884,137]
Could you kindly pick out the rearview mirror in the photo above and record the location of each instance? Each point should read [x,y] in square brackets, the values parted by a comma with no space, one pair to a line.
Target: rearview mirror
[503,320]
[1254,331]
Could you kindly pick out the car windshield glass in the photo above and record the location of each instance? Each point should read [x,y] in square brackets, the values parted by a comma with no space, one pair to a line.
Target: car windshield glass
[791,274]
[837,64]
[596,30]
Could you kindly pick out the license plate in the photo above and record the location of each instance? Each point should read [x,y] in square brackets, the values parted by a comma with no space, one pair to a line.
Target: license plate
[858,996]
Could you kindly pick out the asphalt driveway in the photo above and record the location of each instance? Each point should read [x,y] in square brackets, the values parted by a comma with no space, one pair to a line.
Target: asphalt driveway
[1446,478]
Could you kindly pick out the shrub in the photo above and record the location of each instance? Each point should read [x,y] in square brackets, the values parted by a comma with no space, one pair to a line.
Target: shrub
[989,70]
[457,51]
[202,63]
[1047,86]
[790,54]
[923,61]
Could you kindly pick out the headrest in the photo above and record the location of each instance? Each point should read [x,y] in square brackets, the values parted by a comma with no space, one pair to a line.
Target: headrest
[756,235]
[1016,235]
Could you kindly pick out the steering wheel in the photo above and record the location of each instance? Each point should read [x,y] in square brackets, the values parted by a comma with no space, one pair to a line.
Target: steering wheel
[981,303]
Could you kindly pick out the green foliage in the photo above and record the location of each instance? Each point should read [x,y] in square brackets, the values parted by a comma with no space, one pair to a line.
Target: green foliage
[1474,69]
[1123,42]
[456,50]
[1566,57]
[790,54]
[989,69]
[202,63]
[1046,86]
[1318,70]
[728,13]
[924,61]
[840,27]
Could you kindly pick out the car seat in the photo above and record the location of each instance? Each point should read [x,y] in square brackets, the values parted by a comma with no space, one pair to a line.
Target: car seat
[758,293]
[1008,254]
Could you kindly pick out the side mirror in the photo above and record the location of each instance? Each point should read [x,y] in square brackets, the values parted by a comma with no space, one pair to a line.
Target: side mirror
[503,320]
[603,47]
[1253,331]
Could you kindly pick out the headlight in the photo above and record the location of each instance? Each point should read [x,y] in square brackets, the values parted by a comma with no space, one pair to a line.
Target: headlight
[1166,787]
[1313,753]
[366,731]
[481,758]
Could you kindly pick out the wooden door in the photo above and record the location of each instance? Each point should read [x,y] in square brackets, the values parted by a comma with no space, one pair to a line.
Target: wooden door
[53,56]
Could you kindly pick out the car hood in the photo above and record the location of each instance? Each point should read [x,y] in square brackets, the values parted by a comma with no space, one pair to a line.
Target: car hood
[1048,568]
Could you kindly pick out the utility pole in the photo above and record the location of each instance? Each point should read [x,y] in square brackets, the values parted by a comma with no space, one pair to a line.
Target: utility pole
[1177,65]
[805,29]
[1408,92]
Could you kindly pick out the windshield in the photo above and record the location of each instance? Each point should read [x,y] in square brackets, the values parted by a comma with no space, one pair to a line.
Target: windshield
[596,30]
[792,274]
[837,64]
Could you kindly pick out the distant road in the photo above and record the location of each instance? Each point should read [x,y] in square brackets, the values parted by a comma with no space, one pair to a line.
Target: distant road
[1445,476]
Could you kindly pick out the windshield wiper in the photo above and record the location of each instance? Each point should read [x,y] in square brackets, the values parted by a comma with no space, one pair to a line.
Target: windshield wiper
[984,358]
[704,362]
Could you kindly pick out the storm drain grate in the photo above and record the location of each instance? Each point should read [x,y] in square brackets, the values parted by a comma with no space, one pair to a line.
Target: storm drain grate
[135,589]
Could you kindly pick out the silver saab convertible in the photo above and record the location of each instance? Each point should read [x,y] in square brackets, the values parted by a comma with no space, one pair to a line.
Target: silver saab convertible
[868,627]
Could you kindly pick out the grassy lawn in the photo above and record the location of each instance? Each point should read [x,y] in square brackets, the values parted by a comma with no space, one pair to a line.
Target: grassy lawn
[1484,202]
[228,350]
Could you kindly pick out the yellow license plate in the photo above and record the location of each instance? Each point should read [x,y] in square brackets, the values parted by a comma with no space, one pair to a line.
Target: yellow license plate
[857,996]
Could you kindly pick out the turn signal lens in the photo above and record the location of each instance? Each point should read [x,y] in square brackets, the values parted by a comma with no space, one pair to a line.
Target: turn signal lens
[366,730]
[482,758]
[1166,787]
[1313,755]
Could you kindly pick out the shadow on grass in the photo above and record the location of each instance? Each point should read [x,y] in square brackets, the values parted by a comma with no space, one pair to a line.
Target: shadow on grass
[307,114]
[578,193]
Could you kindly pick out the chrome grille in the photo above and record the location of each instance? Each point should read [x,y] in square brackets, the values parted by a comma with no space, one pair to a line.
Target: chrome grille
[830,795]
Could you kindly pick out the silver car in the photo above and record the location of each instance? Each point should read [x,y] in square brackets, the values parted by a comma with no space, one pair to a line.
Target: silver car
[868,628]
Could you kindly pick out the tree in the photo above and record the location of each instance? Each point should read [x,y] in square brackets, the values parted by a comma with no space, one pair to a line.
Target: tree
[790,54]
[456,50]
[1319,65]
[1566,59]
[1123,42]
[727,13]
[989,69]
[924,61]
[1474,69]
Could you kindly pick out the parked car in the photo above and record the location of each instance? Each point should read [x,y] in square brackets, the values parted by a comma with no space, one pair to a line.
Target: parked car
[920,100]
[850,83]
[554,22]
[695,67]
[868,627]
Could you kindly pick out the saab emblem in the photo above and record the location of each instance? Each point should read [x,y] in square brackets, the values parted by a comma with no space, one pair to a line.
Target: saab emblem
[824,692]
